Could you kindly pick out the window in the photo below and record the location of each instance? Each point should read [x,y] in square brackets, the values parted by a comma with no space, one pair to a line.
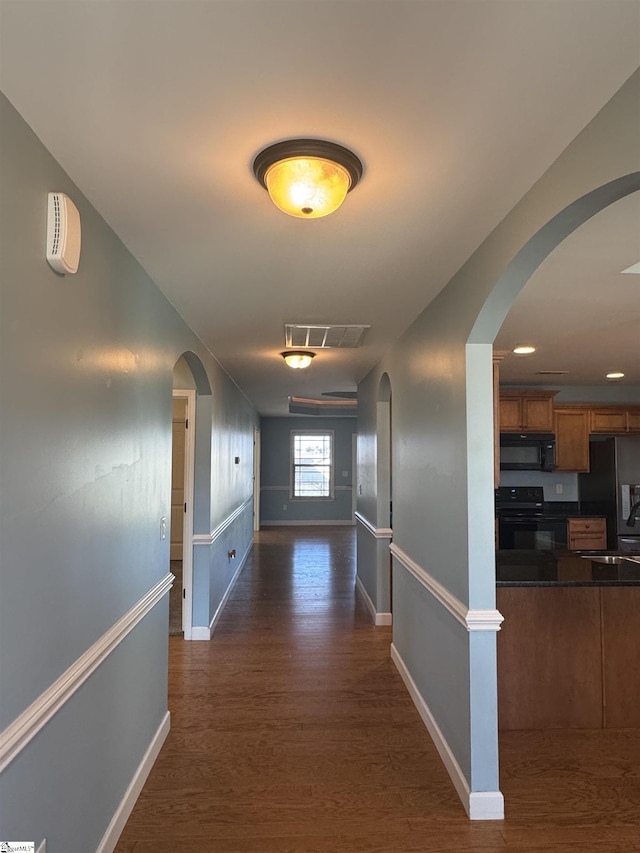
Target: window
[311,465]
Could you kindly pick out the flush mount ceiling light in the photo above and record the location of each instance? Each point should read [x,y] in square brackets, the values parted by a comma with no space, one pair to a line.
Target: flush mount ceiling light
[614,375]
[297,358]
[307,178]
[524,349]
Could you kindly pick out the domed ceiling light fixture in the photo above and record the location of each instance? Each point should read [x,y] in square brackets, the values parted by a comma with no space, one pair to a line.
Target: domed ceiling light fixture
[307,178]
[297,358]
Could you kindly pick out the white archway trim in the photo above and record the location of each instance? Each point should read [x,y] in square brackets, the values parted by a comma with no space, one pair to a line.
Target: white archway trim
[377,532]
[472,620]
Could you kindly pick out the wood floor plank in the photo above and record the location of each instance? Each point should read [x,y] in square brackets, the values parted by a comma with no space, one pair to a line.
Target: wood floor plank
[292,732]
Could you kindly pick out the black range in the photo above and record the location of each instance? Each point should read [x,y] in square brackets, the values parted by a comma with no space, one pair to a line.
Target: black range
[523,523]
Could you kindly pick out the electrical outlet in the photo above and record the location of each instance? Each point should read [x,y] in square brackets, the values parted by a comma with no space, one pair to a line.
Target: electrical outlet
[163,527]
[284,507]
[559,488]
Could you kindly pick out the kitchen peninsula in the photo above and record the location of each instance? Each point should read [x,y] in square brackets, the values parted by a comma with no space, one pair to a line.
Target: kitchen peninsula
[569,645]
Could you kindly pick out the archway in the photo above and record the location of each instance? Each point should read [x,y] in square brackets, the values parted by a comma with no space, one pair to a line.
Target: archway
[479,390]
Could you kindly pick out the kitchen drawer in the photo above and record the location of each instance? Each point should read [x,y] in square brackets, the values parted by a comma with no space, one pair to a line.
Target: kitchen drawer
[587,525]
[588,542]
[587,534]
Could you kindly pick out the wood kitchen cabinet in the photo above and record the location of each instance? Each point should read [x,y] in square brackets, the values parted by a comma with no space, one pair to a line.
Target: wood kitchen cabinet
[571,428]
[526,410]
[587,534]
[549,658]
[615,419]
[567,657]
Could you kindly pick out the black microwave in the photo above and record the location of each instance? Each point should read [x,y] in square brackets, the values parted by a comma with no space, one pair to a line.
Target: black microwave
[533,451]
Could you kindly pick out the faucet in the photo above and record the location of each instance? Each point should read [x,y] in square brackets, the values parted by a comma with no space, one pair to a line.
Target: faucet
[631,521]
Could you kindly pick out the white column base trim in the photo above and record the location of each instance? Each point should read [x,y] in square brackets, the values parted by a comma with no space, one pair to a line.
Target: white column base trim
[25,727]
[379,618]
[473,620]
[480,805]
[378,532]
[203,632]
[118,821]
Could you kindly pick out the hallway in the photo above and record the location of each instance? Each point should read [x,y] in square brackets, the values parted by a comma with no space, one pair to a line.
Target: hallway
[292,731]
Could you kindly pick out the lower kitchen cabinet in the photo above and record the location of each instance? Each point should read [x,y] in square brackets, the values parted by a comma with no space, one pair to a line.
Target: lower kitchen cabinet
[567,657]
[587,534]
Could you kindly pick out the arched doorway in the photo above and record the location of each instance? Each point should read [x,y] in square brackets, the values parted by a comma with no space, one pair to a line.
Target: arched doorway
[188,490]
[479,345]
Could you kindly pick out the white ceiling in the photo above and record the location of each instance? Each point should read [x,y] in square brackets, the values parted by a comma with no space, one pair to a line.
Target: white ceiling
[156,110]
[579,309]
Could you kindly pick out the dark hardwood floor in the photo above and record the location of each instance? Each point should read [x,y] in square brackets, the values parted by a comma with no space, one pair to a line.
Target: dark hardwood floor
[291,732]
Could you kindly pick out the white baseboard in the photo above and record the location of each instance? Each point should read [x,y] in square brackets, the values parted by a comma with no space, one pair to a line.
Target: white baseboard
[379,618]
[118,821]
[202,632]
[481,805]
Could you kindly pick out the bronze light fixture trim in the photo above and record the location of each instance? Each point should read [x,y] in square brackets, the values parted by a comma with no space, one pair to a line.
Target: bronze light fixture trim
[307,178]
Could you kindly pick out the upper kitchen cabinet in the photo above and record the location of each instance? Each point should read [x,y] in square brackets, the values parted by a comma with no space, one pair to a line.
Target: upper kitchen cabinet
[530,411]
[571,428]
[615,419]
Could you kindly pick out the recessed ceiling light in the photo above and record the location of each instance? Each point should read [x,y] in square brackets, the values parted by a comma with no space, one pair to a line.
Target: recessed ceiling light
[615,375]
[634,269]
[524,349]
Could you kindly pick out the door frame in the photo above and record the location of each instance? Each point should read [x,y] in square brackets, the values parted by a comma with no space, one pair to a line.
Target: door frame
[187,522]
[256,480]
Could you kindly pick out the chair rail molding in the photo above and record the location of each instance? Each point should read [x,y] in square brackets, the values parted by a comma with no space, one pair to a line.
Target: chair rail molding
[34,718]
[472,620]
[377,532]
[210,538]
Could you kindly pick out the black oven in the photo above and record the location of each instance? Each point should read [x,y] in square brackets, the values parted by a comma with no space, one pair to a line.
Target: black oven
[523,524]
[532,533]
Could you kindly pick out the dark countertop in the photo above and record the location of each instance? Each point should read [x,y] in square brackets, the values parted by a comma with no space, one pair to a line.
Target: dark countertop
[566,568]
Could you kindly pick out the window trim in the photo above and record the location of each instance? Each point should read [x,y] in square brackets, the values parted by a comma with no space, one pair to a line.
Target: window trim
[292,465]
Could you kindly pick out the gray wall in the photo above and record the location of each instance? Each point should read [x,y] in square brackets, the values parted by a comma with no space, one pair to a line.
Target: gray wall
[86,375]
[275,437]
[441,376]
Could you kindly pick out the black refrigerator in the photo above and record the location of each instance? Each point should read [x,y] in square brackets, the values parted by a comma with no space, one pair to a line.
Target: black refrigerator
[611,488]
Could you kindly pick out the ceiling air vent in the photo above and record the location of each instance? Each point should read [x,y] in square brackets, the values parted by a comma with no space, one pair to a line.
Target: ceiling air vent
[324,337]
[551,372]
